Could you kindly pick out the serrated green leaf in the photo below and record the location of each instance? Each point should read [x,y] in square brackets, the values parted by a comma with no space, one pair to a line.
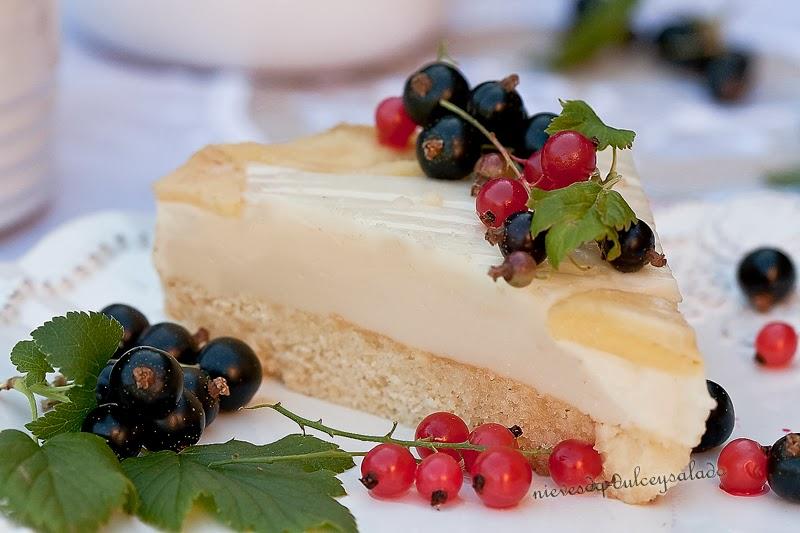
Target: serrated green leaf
[72,483]
[29,360]
[65,417]
[287,496]
[79,344]
[576,115]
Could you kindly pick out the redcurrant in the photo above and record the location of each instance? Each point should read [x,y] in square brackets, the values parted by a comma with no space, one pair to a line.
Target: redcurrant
[488,435]
[439,478]
[742,467]
[442,427]
[568,157]
[776,344]
[573,463]
[388,470]
[393,124]
[533,173]
[501,477]
[500,198]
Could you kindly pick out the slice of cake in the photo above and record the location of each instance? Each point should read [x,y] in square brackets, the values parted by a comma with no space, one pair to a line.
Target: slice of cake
[361,282]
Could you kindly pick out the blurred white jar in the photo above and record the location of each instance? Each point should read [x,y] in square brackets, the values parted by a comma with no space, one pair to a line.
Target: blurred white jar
[282,35]
[28,55]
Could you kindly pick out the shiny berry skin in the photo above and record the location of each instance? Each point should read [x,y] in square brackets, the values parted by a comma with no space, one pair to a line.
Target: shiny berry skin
[199,383]
[388,470]
[427,86]
[442,427]
[776,344]
[498,106]
[488,435]
[518,269]
[133,324]
[568,157]
[173,339]
[103,388]
[180,428]
[112,423]
[393,125]
[146,381]
[235,361]
[533,134]
[720,421]
[637,243]
[767,276]
[500,198]
[742,467]
[448,149]
[517,237]
[439,478]
[574,463]
[534,175]
[728,76]
[501,477]
[783,467]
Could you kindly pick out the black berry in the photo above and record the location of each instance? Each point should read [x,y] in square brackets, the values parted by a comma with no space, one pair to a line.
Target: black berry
[533,134]
[147,381]
[133,324]
[448,149]
[517,237]
[637,245]
[688,43]
[181,427]
[728,76]
[783,467]
[207,390]
[720,421]
[235,361]
[111,422]
[173,339]
[498,106]
[434,82]
[103,387]
[766,275]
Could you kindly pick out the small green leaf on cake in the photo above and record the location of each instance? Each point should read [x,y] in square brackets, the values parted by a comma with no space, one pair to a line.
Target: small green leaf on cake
[65,417]
[576,115]
[29,360]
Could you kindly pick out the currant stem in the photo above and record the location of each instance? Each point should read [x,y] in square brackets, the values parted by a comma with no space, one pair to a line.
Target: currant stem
[489,135]
[267,459]
[18,384]
[612,173]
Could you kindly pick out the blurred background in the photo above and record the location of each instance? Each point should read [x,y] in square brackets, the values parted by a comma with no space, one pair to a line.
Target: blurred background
[99,99]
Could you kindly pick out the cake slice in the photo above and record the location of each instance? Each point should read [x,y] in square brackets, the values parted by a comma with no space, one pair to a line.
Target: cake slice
[359,281]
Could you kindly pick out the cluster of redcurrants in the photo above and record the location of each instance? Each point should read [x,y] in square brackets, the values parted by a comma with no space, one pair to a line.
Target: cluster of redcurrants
[746,467]
[164,385]
[501,474]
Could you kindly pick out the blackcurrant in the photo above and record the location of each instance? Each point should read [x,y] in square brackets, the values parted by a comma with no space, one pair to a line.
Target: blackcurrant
[719,424]
[147,381]
[178,429]
[434,82]
[517,237]
[637,245]
[498,106]
[103,387]
[783,467]
[533,134]
[688,42]
[235,361]
[111,422]
[448,149]
[728,76]
[173,339]
[133,324]
[767,276]
[208,391]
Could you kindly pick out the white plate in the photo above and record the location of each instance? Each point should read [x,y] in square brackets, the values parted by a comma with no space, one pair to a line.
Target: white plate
[106,257]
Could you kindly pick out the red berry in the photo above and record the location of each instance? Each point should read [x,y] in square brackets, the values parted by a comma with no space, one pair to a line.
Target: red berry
[501,477]
[532,172]
[442,427]
[388,470]
[393,124]
[568,157]
[488,435]
[573,462]
[500,198]
[742,467]
[439,478]
[776,344]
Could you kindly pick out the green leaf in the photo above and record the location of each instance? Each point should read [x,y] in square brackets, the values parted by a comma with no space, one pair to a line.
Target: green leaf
[784,178]
[576,115]
[30,360]
[608,23]
[79,344]
[65,417]
[285,496]
[70,484]
[583,212]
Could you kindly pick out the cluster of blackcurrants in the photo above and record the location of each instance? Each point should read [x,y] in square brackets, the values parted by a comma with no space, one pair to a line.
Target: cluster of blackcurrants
[164,385]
